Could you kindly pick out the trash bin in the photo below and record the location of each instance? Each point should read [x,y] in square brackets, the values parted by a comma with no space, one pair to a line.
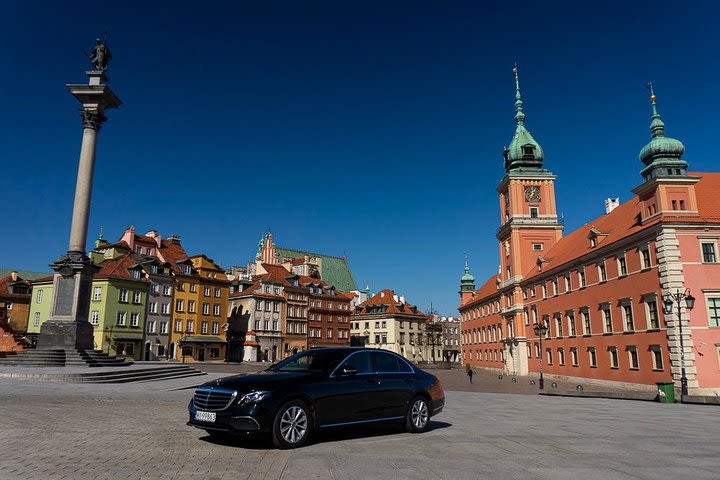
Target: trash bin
[666,392]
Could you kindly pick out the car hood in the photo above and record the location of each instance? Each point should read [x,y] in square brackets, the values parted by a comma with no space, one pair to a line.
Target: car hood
[257,381]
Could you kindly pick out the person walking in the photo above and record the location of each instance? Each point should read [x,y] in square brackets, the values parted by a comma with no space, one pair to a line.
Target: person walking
[470,373]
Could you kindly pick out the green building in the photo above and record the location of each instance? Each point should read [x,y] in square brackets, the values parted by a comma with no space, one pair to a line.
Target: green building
[118,304]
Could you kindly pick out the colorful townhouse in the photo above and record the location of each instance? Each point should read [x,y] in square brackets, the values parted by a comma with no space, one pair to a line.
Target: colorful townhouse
[388,321]
[631,297]
[118,303]
[15,302]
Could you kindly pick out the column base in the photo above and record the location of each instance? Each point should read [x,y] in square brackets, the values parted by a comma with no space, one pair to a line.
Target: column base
[56,334]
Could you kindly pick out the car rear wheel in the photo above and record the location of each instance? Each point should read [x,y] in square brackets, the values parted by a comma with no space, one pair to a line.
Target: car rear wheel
[417,418]
[291,428]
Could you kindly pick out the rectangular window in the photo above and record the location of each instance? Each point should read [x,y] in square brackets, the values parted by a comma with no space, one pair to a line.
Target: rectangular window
[136,296]
[178,325]
[163,328]
[622,265]
[574,356]
[178,305]
[558,326]
[571,324]
[714,311]
[657,360]
[652,314]
[97,293]
[602,273]
[39,297]
[607,319]
[151,326]
[567,283]
[544,290]
[561,356]
[203,327]
[121,318]
[206,309]
[153,307]
[166,290]
[189,326]
[134,318]
[549,357]
[585,315]
[36,319]
[581,276]
[592,357]
[708,252]
[123,296]
[646,263]
[206,291]
[193,288]
[166,308]
[215,328]
[627,313]
[216,309]
[633,357]
[537,246]
[534,212]
[217,292]
[613,357]
[555,286]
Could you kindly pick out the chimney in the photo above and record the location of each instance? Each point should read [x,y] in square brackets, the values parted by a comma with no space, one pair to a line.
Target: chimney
[174,238]
[611,204]
[396,298]
[402,299]
[14,276]
[382,294]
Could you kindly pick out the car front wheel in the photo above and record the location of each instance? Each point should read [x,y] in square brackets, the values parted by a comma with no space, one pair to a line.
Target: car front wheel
[417,419]
[291,428]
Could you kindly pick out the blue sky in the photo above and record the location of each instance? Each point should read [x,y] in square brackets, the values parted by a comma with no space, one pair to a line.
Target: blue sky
[370,129]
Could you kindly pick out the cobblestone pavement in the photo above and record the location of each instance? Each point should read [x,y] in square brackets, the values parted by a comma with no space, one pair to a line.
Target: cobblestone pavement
[138,431]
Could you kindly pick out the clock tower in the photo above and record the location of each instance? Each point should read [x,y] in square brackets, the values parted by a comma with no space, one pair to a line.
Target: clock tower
[529,226]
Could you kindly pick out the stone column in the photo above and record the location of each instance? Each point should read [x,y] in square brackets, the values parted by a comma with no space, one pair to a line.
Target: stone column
[92,121]
[68,326]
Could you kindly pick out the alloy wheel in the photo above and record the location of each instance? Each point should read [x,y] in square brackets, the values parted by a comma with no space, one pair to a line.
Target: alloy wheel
[419,414]
[293,424]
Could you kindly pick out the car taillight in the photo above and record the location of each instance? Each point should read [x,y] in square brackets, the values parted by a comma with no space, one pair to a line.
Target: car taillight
[436,390]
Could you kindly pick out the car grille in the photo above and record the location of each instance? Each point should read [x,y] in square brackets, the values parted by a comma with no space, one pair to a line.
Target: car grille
[213,399]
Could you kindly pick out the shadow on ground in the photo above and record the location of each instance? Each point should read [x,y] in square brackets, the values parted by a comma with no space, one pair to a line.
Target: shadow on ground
[321,436]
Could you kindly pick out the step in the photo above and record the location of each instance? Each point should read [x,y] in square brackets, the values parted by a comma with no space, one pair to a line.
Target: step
[144,378]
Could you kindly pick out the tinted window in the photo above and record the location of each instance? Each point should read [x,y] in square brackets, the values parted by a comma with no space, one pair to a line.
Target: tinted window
[311,360]
[386,363]
[360,361]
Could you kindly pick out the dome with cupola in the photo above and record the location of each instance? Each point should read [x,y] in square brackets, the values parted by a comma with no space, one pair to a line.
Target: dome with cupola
[662,154]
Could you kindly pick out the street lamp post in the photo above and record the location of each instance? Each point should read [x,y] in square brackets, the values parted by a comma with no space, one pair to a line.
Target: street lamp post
[540,329]
[670,300]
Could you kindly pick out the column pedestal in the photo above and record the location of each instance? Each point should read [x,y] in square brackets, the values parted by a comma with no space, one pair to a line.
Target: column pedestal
[68,326]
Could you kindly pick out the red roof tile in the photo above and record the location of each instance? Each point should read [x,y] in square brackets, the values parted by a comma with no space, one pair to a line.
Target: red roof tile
[387,297]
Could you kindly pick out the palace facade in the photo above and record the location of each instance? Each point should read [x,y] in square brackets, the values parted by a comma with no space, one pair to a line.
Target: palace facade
[599,290]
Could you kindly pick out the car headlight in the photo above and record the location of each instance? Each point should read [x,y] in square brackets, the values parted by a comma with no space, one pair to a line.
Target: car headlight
[252,397]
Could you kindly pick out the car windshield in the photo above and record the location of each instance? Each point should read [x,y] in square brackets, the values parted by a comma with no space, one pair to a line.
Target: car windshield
[311,361]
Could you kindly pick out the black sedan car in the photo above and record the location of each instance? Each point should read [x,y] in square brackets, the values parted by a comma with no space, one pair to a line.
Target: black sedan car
[316,389]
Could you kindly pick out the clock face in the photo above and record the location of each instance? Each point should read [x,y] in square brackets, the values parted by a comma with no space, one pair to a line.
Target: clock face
[532,194]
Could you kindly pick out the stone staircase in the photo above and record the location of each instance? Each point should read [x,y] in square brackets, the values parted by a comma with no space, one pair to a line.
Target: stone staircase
[62,358]
[137,375]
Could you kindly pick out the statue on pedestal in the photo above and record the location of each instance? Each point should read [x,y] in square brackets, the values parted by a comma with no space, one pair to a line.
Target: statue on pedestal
[100,55]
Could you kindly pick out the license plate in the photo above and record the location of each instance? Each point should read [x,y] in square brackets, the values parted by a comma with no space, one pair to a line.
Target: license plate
[205,416]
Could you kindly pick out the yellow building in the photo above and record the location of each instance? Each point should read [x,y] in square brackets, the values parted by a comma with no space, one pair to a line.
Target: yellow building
[199,310]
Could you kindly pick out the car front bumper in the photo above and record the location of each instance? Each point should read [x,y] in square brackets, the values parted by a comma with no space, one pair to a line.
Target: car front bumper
[236,420]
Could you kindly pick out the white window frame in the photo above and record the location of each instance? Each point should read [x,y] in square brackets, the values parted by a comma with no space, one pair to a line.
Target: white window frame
[711,295]
[586,320]
[709,241]
[121,319]
[97,293]
[633,349]
[134,319]
[626,303]
[655,353]
[36,319]
[39,296]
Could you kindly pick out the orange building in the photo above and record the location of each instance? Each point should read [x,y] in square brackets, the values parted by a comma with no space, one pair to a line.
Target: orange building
[600,289]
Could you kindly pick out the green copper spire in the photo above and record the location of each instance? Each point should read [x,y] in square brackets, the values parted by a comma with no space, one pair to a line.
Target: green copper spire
[662,154]
[524,153]
[519,114]
[467,281]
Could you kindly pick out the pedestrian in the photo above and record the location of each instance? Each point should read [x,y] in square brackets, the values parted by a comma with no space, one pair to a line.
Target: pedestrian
[470,373]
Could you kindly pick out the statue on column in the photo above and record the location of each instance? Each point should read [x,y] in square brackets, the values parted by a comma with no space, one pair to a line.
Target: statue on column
[100,55]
